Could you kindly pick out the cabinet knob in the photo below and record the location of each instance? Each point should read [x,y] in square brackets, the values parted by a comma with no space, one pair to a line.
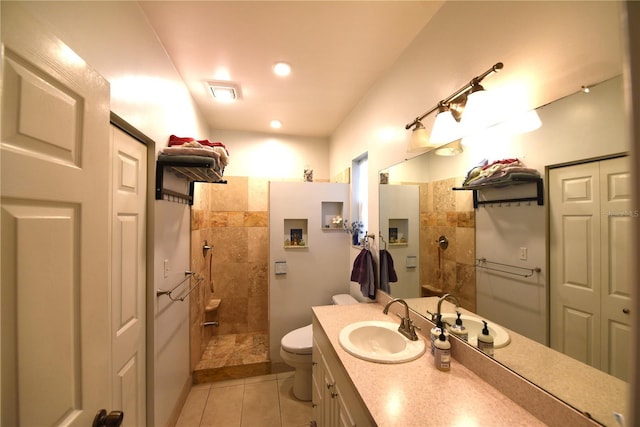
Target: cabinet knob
[334,394]
[626,311]
[330,386]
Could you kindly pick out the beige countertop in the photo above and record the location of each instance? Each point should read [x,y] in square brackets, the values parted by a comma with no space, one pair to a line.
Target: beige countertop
[416,393]
[574,382]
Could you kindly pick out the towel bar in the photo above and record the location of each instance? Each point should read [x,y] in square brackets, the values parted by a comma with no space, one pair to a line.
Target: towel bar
[480,262]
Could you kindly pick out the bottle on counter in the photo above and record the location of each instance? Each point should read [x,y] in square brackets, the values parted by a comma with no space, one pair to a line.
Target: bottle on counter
[442,350]
[435,333]
[485,340]
[459,329]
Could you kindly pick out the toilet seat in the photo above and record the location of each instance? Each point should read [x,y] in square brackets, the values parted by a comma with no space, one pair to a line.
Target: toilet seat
[298,341]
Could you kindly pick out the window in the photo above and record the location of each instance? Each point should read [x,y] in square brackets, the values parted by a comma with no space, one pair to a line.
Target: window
[360,191]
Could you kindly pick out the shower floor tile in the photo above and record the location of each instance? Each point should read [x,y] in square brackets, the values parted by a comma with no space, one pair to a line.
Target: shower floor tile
[236,356]
[235,349]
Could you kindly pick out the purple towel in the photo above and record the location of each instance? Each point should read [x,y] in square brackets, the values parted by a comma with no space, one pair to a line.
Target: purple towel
[364,273]
[387,272]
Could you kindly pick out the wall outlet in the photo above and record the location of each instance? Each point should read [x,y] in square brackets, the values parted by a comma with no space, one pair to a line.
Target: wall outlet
[166,268]
[523,254]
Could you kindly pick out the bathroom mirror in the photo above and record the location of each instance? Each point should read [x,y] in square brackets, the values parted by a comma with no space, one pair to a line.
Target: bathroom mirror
[418,208]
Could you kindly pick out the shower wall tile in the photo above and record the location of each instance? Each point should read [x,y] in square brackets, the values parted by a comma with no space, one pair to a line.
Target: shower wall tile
[230,197]
[449,213]
[259,280]
[467,219]
[233,319]
[233,218]
[258,314]
[217,219]
[426,197]
[465,248]
[259,194]
[256,219]
[258,244]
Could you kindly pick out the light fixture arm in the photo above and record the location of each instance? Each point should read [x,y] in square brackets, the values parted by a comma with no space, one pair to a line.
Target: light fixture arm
[462,91]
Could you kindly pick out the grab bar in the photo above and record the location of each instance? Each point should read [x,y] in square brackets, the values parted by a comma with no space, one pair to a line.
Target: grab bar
[188,275]
[481,261]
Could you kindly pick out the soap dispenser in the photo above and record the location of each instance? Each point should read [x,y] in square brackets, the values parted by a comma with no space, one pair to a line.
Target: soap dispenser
[442,356]
[459,329]
[435,333]
[485,340]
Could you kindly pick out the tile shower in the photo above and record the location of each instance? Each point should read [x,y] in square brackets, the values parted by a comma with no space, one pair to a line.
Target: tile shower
[444,212]
[233,220]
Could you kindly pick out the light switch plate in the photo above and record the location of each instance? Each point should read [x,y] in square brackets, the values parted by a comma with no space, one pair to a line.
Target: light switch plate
[412,261]
[281,267]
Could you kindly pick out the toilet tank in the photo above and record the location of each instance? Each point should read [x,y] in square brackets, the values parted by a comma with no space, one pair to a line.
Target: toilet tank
[343,299]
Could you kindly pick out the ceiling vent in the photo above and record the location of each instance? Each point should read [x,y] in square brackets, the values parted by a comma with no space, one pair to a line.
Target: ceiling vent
[224,91]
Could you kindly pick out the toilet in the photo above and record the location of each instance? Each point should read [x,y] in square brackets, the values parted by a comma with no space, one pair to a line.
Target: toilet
[295,350]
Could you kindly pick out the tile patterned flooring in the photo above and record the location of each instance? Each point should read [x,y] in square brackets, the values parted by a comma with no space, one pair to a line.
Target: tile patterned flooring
[261,401]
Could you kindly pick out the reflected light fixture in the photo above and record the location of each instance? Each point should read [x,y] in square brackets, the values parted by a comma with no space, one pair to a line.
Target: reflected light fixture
[453,107]
[452,149]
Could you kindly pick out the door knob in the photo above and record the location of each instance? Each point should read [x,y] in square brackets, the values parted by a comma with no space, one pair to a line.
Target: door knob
[112,419]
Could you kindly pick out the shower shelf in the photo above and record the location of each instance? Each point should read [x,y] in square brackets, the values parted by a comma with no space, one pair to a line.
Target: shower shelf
[212,305]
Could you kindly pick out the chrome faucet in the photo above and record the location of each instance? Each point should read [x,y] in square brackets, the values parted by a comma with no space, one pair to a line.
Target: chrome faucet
[407,328]
[436,316]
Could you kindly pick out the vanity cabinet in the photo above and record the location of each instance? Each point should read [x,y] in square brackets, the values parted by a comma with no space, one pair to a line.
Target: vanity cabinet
[334,399]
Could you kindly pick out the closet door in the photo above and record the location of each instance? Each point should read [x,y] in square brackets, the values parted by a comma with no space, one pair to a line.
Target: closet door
[617,228]
[590,256]
[128,278]
[574,197]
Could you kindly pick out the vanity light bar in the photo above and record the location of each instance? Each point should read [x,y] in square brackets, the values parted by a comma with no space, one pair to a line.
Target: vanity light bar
[462,92]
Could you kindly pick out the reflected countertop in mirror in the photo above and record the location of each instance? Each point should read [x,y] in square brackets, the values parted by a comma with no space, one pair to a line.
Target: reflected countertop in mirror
[571,381]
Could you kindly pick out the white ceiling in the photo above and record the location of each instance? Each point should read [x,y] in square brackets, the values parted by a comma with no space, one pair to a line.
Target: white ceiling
[339,49]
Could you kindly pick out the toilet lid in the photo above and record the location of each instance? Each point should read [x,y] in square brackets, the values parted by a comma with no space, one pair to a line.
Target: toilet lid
[298,341]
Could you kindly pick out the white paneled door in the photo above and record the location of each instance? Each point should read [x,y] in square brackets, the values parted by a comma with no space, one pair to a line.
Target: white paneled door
[590,257]
[55,191]
[128,278]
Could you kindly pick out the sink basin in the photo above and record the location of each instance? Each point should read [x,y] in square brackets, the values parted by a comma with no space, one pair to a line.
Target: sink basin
[379,341]
[474,326]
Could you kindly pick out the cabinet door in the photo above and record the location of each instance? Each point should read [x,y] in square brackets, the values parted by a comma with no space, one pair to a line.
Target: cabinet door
[343,417]
[329,412]
[317,385]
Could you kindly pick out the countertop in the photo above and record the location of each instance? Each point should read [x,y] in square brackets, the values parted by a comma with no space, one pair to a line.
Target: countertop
[416,393]
[581,385]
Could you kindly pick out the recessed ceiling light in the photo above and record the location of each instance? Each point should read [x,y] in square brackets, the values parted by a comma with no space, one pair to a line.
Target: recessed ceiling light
[282,68]
[224,90]
[276,124]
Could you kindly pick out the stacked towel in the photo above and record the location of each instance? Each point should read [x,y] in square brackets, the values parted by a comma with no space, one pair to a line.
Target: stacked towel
[203,147]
